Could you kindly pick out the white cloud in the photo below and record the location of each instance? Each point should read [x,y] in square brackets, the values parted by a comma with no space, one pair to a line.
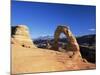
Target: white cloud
[92,29]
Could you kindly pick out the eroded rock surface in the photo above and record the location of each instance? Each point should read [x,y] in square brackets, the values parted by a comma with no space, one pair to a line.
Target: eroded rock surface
[73,45]
[32,60]
[20,35]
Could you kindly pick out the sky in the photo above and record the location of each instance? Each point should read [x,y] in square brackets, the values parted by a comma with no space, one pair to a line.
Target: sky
[43,18]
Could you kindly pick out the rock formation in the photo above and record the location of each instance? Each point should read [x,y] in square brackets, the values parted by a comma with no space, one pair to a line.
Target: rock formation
[48,46]
[33,60]
[20,35]
[72,43]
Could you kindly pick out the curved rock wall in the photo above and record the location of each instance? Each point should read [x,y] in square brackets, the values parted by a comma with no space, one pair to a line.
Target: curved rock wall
[71,40]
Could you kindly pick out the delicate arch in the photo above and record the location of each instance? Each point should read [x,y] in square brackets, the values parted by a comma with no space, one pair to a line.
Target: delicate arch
[71,39]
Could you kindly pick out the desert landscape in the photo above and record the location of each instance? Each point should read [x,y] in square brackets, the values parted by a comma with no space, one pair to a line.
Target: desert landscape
[32,56]
[52,37]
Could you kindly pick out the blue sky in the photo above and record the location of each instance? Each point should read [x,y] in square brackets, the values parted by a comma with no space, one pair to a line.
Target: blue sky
[43,18]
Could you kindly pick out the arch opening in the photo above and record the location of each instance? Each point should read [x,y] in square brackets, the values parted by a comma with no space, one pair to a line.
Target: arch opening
[62,42]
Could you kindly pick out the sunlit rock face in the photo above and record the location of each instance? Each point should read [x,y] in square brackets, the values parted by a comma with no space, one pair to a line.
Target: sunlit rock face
[20,35]
[73,45]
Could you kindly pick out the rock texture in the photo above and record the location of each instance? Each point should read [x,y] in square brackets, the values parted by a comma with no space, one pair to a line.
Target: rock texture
[48,46]
[32,60]
[20,35]
[72,43]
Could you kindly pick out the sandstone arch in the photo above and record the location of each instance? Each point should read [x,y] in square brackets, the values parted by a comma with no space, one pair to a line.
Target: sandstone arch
[71,39]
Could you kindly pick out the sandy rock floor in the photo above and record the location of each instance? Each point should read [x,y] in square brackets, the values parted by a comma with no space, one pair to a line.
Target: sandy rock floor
[32,60]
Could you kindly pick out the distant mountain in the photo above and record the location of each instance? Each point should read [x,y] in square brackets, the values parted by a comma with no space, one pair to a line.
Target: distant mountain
[86,40]
[89,40]
[44,38]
